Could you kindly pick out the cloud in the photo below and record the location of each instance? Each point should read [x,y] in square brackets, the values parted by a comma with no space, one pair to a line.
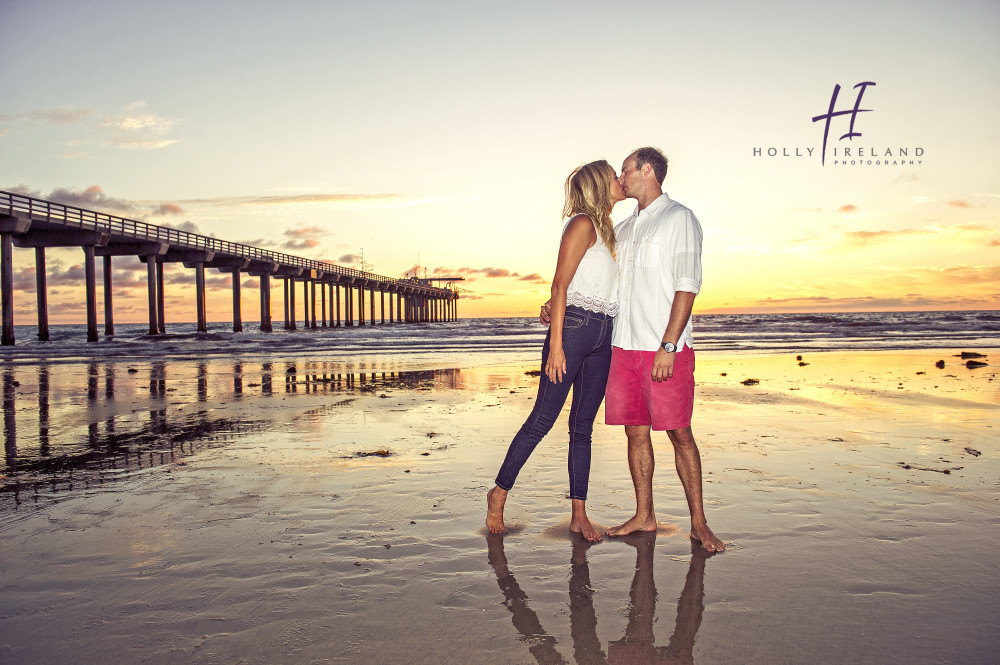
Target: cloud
[959,204]
[912,288]
[975,233]
[128,263]
[136,128]
[306,243]
[94,198]
[306,232]
[259,242]
[290,199]
[867,303]
[72,155]
[186,226]
[349,258]
[847,209]
[859,238]
[304,237]
[413,271]
[963,275]
[215,282]
[90,197]
[466,271]
[167,209]
[72,276]
[64,115]
[350,201]
[24,279]
[961,235]
[534,278]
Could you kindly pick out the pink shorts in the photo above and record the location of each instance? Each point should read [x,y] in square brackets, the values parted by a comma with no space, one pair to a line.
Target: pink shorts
[633,398]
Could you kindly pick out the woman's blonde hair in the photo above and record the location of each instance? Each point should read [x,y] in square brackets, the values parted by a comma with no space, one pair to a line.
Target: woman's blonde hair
[588,191]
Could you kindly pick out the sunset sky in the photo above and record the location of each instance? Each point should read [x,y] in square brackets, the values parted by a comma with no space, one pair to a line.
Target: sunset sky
[441,133]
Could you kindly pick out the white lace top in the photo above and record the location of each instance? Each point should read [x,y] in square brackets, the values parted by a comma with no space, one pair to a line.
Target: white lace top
[594,287]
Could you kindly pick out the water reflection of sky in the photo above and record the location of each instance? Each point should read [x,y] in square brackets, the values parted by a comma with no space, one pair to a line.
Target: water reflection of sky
[77,426]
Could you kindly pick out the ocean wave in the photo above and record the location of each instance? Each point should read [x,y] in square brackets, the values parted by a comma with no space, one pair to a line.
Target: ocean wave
[761,333]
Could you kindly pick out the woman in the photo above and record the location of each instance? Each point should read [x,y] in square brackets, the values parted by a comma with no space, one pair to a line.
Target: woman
[577,349]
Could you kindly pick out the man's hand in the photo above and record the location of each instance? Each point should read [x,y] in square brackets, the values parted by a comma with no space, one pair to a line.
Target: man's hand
[663,366]
[555,366]
[545,316]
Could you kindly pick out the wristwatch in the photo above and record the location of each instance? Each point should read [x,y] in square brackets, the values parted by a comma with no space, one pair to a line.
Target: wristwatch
[669,347]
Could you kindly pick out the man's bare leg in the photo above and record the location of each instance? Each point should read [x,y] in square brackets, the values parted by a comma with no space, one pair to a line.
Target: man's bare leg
[640,464]
[580,523]
[495,500]
[687,459]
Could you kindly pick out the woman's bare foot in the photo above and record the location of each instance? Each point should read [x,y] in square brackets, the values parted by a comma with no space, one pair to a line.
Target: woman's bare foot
[495,500]
[637,523]
[580,523]
[707,539]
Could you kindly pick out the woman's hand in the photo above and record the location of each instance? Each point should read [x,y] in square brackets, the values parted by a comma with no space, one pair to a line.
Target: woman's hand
[555,366]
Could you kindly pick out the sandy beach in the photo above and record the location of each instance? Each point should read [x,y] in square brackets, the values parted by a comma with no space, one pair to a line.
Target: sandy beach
[243,512]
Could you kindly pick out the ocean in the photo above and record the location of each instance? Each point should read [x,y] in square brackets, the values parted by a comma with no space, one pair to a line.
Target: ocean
[479,342]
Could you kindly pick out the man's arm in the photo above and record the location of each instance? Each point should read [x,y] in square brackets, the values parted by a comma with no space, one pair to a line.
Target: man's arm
[680,312]
[545,315]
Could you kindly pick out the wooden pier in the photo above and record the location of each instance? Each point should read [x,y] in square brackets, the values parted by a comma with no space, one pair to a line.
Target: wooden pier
[27,222]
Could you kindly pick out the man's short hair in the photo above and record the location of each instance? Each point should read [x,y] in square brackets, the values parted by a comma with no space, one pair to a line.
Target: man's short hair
[655,159]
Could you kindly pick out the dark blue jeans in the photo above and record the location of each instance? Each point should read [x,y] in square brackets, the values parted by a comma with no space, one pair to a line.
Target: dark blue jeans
[587,345]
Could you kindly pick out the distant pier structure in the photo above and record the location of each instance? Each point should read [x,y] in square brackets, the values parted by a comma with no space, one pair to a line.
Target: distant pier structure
[27,222]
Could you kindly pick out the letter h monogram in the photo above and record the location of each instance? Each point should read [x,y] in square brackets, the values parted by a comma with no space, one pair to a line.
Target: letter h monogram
[830,114]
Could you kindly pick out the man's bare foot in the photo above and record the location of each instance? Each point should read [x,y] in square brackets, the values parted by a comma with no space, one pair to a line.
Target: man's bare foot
[635,524]
[495,500]
[708,540]
[582,526]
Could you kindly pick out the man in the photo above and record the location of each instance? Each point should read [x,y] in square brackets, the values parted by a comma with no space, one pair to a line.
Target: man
[651,383]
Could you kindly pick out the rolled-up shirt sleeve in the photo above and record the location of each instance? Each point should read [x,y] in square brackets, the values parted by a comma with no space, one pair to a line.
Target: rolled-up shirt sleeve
[686,243]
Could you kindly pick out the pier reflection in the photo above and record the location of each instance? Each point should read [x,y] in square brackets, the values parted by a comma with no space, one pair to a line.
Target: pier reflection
[78,426]
[9,421]
[638,644]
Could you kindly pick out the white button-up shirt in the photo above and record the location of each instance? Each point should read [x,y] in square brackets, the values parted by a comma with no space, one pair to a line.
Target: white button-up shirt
[659,253]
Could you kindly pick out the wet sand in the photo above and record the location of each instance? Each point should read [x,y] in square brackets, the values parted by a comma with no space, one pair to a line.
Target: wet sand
[227,512]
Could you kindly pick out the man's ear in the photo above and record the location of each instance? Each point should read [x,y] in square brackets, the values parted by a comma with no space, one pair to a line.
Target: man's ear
[646,170]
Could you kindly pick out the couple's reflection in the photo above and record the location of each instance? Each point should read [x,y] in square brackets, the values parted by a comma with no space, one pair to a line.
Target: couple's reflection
[638,644]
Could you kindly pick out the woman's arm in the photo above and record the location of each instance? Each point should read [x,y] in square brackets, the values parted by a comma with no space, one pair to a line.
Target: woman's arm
[580,235]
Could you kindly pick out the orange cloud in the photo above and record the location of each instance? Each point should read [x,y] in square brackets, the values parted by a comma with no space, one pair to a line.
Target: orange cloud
[167,209]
